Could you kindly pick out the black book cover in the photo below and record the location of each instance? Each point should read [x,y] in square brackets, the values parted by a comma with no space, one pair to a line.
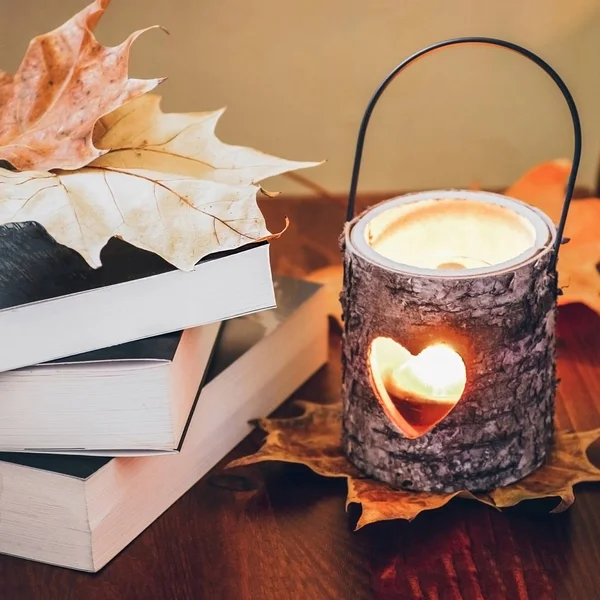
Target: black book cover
[160,347]
[237,336]
[34,267]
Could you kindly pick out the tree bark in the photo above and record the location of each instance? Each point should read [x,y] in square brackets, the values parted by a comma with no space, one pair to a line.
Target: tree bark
[503,326]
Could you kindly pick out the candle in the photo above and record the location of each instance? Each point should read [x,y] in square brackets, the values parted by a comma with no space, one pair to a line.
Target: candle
[471,267]
[452,231]
[437,374]
[426,387]
[444,272]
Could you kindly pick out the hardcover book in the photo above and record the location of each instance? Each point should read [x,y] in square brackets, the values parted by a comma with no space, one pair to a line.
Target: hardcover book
[79,512]
[53,305]
[126,400]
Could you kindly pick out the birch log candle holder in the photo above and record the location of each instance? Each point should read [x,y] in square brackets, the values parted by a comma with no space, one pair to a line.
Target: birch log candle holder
[449,305]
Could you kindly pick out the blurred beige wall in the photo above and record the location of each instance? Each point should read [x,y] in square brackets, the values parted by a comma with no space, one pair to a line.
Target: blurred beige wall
[296,76]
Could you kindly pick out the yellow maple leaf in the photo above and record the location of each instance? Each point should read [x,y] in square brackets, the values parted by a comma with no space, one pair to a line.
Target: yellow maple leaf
[140,136]
[179,218]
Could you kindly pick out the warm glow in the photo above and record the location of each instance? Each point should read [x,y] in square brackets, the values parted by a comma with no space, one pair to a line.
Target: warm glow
[437,373]
[450,233]
[416,392]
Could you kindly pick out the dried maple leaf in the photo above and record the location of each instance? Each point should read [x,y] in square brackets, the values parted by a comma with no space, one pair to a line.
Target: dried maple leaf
[179,218]
[544,187]
[380,502]
[568,465]
[65,83]
[198,203]
[313,439]
[162,182]
[140,136]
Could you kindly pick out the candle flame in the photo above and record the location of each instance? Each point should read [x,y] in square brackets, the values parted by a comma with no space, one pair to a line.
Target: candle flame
[437,373]
[416,392]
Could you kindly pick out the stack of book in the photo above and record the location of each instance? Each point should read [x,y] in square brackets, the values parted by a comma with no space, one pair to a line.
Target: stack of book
[114,379]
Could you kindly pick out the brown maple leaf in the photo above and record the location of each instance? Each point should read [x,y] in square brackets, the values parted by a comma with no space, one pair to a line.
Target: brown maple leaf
[65,83]
[544,187]
[567,465]
[380,502]
[313,439]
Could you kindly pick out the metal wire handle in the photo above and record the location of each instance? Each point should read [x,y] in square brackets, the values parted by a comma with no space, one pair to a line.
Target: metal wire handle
[493,42]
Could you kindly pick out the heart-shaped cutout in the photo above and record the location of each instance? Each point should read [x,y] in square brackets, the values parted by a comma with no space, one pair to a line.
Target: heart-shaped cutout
[416,392]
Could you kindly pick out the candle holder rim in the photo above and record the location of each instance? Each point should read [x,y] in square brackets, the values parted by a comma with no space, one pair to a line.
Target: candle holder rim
[544,228]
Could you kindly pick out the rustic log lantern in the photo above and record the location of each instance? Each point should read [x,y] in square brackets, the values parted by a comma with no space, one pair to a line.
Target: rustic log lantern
[449,306]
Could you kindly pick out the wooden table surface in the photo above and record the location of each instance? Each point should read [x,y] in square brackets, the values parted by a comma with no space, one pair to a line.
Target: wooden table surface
[279,532]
